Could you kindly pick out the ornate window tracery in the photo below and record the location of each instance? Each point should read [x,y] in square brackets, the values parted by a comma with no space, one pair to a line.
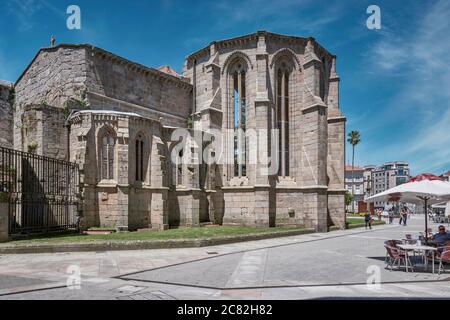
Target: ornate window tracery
[282,117]
[239,111]
[139,159]
[107,154]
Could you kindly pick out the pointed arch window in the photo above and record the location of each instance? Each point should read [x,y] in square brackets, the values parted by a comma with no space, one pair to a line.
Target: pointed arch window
[282,115]
[107,155]
[179,169]
[139,158]
[239,120]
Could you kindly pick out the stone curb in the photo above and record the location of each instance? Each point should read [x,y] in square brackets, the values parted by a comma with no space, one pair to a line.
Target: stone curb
[120,245]
[361,225]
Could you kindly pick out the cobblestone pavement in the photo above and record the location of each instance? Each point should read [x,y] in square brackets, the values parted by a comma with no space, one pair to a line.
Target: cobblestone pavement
[332,265]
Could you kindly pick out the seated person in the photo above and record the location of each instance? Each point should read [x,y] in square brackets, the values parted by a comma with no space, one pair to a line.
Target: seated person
[441,238]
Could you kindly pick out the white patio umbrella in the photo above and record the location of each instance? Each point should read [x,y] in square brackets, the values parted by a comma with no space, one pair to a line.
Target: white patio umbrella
[426,188]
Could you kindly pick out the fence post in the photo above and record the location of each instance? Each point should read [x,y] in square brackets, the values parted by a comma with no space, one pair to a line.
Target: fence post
[4,217]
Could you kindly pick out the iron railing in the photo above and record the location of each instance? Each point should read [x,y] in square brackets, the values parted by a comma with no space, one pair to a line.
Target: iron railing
[42,192]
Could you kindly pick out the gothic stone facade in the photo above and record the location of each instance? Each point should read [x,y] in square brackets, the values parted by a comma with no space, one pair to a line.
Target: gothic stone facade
[116,119]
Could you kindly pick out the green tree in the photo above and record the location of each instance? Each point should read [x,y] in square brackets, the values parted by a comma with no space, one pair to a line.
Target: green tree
[354,138]
[348,198]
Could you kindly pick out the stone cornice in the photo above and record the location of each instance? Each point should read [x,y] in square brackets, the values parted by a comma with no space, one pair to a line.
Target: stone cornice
[248,188]
[285,187]
[334,79]
[136,67]
[337,191]
[314,188]
[208,110]
[337,119]
[107,116]
[313,107]
[212,65]
[135,106]
[253,37]
[178,189]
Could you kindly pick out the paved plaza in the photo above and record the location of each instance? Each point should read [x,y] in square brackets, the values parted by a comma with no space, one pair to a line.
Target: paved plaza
[314,266]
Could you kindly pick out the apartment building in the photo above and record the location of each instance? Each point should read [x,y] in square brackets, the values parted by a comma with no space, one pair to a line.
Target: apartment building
[358,192]
[387,176]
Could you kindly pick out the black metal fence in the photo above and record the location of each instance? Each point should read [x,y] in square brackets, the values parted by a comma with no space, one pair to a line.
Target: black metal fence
[41,192]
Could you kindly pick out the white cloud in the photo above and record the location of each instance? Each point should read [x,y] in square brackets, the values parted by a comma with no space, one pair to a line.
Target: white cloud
[420,59]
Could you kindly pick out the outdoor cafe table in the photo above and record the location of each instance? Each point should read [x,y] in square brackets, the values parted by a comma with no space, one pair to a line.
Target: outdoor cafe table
[415,247]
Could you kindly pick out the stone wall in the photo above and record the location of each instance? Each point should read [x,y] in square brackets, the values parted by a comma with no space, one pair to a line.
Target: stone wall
[132,99]
[134,88]
[239,207]
[74,77]
[302,197]
[42,131]
[289,208]
[6,115]
[55,77]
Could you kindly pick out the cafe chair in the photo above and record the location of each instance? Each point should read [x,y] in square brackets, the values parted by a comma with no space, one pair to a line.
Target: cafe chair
[444,257]
[396,256]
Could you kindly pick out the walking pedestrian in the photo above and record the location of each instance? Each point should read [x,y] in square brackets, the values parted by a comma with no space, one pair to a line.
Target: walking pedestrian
[404,216]
[391,216]
[368,220]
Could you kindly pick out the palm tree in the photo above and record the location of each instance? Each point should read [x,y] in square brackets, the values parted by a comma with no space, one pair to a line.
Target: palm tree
[354,138]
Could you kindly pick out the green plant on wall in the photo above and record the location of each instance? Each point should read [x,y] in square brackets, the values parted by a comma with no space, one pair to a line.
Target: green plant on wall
[22,126]
[32,147]
[66,109]
[190,122]
[84,101]
[76,104]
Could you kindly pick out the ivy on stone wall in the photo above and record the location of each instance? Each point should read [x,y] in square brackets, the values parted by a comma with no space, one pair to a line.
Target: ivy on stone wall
[32,147]
[76,104]
[44,103]
[189,122]
[22,126]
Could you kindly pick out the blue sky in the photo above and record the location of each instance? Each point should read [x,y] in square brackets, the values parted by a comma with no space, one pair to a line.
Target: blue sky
[395,82]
